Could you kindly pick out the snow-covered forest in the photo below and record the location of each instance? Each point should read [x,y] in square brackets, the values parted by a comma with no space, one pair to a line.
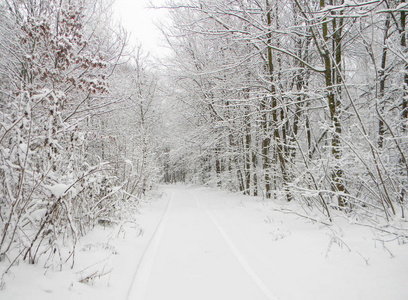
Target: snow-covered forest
[77,120]
[301,102]
[296,99]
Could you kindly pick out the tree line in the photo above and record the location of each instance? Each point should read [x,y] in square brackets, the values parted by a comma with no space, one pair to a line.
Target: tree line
[77,115]
[305,100]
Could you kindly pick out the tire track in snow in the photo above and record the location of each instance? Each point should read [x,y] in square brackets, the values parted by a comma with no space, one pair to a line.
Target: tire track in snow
[238,255]
[140,281]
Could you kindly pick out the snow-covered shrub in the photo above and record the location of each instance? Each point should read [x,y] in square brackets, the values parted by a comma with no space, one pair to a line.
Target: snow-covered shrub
[54,185]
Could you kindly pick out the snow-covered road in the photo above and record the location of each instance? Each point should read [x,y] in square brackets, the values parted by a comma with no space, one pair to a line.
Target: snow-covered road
[191,257]
[202,243]
[215,245]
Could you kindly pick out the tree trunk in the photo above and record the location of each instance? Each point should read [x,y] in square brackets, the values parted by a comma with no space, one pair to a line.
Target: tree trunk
[333,76]
[404,110]
[274,108]
[382,77]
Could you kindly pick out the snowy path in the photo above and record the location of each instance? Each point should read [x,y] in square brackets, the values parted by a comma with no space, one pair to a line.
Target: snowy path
[201,243]
[191,257]
[215,245]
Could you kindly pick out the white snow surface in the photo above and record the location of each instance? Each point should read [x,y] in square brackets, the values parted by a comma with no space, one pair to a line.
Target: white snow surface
[58,190]
[200,243]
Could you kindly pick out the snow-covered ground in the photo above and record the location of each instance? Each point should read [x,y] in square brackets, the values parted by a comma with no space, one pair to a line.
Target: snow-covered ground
[200,243]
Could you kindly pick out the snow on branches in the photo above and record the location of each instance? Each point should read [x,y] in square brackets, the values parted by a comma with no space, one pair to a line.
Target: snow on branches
[55,67]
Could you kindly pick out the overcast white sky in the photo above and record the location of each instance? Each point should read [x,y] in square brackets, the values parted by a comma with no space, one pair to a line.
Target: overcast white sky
[139,21]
